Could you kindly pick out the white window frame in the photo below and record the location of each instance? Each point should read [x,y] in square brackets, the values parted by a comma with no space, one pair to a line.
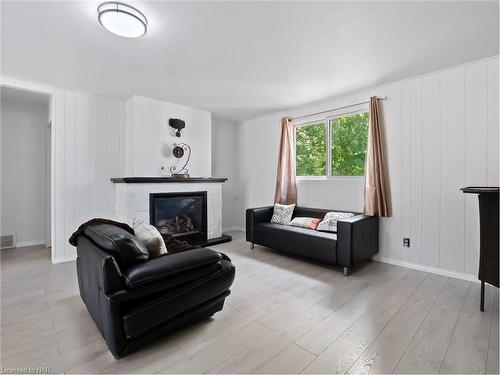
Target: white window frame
[327,120]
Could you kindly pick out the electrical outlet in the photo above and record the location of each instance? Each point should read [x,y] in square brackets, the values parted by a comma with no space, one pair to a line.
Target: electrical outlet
[406,242]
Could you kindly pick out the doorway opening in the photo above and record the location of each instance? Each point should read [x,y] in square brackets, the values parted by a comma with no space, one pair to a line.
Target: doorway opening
[26,170]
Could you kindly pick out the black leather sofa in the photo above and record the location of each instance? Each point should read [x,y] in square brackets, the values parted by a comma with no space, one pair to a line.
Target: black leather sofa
[356,239]
[133,300]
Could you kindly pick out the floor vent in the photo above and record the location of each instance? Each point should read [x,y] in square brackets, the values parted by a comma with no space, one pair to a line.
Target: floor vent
[7,242]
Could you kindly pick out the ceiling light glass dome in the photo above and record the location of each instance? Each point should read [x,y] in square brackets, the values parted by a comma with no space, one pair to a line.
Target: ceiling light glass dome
[122,19]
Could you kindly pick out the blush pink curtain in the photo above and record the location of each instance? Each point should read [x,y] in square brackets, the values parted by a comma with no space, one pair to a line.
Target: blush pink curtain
[377,193]
[286,188]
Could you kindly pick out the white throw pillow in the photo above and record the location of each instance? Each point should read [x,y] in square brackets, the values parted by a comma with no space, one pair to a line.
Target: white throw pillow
[282,213]
[151,238]
[329,222]
[305,222]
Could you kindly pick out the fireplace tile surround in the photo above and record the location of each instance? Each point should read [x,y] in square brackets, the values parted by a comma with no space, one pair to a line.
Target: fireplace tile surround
[132,199]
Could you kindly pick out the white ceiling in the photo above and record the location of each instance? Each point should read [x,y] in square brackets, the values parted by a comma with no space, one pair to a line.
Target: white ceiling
[243,59]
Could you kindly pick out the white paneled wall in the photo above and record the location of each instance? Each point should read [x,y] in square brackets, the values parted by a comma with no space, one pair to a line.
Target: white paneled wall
[89,151]
[442,132]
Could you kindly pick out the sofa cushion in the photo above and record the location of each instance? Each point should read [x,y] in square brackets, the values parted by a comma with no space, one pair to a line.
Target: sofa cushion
[303,242]
[156,311]
[124,247]
[297,230]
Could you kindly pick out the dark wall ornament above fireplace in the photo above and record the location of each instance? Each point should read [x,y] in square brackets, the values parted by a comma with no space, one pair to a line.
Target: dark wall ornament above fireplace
[177,124]
[179,151]
[182,215]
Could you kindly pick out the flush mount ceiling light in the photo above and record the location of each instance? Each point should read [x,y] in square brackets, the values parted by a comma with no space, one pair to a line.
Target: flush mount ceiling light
[122,19]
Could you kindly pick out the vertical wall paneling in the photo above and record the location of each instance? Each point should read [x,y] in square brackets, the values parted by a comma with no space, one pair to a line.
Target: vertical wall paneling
[59,185]
[123,140]
[453,142]
[476,156]
[416,170]
[87,149]
[392,225]
[113,150]
[492,118]
[107,160]
[98,157]
[406,187]
[69,166]
[82,150]
[431,169]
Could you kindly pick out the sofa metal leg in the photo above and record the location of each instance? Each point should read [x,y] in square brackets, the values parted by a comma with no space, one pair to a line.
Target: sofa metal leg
[346,271]
[482,296]
[251,246]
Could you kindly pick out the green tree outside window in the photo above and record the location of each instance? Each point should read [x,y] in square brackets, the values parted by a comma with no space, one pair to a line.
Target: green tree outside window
[310,149]
[348,144]
[348,139]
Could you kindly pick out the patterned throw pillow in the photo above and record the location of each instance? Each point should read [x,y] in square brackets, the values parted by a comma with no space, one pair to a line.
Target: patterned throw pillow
[282,213]
[329,223]
[151,238]
[305,222]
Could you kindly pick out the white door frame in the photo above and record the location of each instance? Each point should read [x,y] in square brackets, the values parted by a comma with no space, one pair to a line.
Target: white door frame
[46,90]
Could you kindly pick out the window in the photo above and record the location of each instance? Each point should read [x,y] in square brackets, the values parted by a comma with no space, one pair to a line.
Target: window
[310,149]
[346,138]
[349,135]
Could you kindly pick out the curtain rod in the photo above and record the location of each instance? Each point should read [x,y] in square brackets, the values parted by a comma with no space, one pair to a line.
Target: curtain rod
[335,109]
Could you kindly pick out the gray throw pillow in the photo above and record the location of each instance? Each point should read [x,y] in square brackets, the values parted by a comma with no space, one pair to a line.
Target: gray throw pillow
[329,222]
[282,213]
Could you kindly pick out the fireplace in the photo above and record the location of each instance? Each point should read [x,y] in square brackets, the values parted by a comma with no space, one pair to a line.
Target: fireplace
[182,215]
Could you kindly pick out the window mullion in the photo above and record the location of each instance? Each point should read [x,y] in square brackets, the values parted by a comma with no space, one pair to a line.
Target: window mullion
[328,149]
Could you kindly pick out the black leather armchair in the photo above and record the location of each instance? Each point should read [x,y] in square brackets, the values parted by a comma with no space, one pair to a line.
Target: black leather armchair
[132,305]
[356,239]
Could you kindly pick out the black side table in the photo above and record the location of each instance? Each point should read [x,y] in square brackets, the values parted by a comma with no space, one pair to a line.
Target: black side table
[488,222]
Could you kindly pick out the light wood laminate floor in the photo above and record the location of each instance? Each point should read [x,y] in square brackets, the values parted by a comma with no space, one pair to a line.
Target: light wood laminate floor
[284,315]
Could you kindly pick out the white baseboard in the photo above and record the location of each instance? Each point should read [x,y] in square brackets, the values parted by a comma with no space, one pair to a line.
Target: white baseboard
[430,269]
[228,229]
[30,243]
[66,258]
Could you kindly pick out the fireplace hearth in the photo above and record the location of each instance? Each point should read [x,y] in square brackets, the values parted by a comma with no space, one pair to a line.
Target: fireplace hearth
[182,215]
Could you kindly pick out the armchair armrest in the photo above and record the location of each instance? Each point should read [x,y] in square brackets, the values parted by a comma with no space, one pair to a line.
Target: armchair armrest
[255,216]
[168,266]
[357,239]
